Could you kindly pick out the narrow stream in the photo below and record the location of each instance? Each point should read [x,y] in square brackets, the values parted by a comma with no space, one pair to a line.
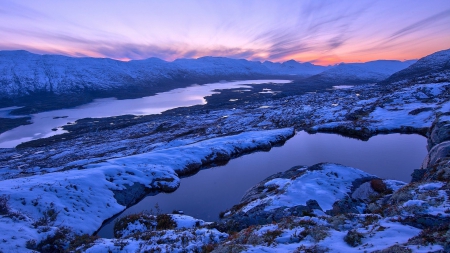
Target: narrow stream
[207,193]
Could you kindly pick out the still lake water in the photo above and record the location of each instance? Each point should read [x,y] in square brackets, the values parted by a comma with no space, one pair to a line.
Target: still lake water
[44,122]
[217,189]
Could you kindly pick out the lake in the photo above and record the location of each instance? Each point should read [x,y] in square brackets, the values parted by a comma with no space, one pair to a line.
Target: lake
[210,191]
[44,122]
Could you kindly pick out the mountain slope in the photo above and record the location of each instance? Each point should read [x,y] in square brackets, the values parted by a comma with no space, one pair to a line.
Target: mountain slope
[432,68]
[23,73]
[358,73]
[292,67]
[45,82]
[220,66]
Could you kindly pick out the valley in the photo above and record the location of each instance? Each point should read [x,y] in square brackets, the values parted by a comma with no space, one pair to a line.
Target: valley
[101,166]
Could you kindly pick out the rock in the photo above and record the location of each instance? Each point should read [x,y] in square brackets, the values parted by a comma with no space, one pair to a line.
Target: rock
[438,154]
[131,194]
[417,175]
[344,206]
[440,131]
[364,192]
[353,238]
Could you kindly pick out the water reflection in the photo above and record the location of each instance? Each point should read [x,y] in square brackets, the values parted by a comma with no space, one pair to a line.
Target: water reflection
[211,191]
[44,122]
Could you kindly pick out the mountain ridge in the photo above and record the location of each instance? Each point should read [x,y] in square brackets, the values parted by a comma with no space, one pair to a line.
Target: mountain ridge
[47,82]
[431,68]
[360,73]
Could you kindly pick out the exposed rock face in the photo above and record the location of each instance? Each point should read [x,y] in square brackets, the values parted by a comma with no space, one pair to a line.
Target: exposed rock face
[440,131]
[436,165]
[439,154]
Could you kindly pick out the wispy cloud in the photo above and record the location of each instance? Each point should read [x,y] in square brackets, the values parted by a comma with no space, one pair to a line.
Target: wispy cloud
[395,39]
[18,10]
[419,25]
[318,30]
[320,26]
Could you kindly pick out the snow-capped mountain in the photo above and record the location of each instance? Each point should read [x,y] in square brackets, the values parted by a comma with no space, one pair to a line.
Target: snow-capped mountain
[356,73]
[432,68]
[293,67]
[23,73]
[220,66]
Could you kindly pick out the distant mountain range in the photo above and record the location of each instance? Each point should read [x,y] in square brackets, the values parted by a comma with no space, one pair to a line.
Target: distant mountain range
[432,68]
[359,73]
[292,67]
[55,81]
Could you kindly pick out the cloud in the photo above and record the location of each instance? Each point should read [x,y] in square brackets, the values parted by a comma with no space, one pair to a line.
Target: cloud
[419,25]
[320,27]
[318,30]
[21,11]
[394,41]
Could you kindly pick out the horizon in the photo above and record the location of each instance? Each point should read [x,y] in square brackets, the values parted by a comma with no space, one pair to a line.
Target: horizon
[206,56]
[319,32]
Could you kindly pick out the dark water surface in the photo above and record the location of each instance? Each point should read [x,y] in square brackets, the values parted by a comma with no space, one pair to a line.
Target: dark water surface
[207,193]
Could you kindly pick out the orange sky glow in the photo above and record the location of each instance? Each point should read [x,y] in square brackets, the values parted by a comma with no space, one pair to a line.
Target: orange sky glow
[321,32]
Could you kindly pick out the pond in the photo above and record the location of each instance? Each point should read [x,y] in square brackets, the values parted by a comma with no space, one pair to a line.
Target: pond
[210,191]
[44,122]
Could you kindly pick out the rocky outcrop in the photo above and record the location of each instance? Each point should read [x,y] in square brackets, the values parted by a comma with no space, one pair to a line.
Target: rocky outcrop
[264,203]
[436,165]
[440,131]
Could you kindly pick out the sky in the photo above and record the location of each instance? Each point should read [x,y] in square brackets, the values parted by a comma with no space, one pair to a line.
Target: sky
[322,32]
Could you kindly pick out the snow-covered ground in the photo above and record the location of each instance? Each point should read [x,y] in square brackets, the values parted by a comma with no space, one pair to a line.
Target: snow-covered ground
[83,198]
[388,214]
[50,193]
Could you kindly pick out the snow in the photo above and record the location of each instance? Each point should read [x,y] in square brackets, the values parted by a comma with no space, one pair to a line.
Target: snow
[84,198]
[327,185]
[23,73]
[185,221]
[279,182]
[394,185]
[292,67]
[384,234]
[431,186]
[374,70]
[167,241]
[145,221]
[414,202]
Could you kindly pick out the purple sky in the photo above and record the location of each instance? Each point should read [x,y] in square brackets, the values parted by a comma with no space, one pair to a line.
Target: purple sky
[324,32]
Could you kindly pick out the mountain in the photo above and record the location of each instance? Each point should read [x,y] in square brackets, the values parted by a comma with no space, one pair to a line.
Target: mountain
[23,73]
[45,82]
[292,67]
[359,73]
[220,66]
[432,68]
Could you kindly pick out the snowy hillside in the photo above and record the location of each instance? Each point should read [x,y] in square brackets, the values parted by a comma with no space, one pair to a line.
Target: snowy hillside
[295,68]
[368,72]
[23,73]
[432,68]
[220,66]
